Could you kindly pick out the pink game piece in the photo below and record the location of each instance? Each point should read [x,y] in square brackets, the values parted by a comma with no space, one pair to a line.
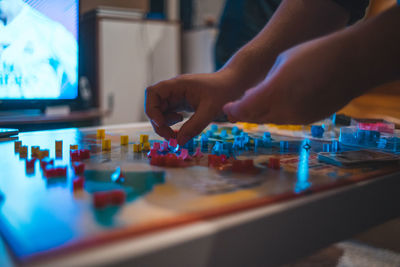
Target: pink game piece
[173,142]
[198,153]
[164,147]
[153,152]
[184,155]
[156,146]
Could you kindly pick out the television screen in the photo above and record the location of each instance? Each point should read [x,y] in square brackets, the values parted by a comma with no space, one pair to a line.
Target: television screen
[38,49]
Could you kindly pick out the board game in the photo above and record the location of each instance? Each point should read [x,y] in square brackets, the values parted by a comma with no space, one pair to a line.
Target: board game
[70,189]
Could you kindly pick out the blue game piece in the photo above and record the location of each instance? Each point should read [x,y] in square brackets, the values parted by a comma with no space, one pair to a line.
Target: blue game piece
[204,143]
[217,149]
[284,146]
[258,143]
[267,137]
[223,134]
[235,130]
[317,131]
[189,145]
[210,134]
[326,148]
[214,127]
[335,147]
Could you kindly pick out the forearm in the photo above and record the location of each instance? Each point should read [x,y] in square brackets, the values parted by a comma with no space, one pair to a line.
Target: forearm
[294,22]
[377,47]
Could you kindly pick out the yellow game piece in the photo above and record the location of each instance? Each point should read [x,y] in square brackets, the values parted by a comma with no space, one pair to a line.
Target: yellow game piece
[23,151]
[17,145]
[137,148]
[35,151]
[73,147]
[124,140]
[59,145]
[101,134]
[146,146]
[144,138]
[106,145]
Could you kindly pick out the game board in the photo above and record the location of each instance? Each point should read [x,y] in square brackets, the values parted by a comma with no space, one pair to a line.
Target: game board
[41,216]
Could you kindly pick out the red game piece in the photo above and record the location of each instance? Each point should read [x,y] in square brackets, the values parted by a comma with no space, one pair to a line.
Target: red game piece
[274,163]
[243,166]
[216,161]
[78,183]
[171,160]
[30,163]
[117,197]
[84,154]
[51,171]
[158,160]
[75,155]
[45,162]
[100,199]
[79,167]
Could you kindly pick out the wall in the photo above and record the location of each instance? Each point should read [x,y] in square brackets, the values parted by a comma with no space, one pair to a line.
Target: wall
[87,5]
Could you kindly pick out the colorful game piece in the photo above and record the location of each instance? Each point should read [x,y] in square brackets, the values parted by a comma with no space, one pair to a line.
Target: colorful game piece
[78,183]
[106,145]
[79,167]
[124,140]
[210,134]
[144,138]
[74,155]
[326,147]
[274,163]
[17,145]
[171,160]
[217,149]
[204,142]
[103,199]
[335,146]
[52,172]
[73,147]
[45,162]
[59,145]
[284,146]
[223,134]
[101,134]
[243,166]
[146,146]
[84,154]
[317,131]
[35,150]
[164,147]
[137,148]
[379,126]
[198,153]
[156,146]
[23,152]
[158,160]
[214,128]
[267,137]
[30,163]
[118,176]
[235,130]
[189,145]
[184,154]
[307,146]
[172,143]
[216,161]
[153,152]
[117,197]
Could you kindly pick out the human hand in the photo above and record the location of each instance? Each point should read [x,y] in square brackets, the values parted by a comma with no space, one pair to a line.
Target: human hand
[205,94]
[307,83]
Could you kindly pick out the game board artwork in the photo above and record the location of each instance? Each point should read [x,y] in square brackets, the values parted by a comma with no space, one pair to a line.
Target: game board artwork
[72,189]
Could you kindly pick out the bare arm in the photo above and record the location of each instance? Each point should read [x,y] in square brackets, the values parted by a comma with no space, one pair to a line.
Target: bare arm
[294,22]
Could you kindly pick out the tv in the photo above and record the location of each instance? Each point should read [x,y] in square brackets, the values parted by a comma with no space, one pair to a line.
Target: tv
[38,53]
